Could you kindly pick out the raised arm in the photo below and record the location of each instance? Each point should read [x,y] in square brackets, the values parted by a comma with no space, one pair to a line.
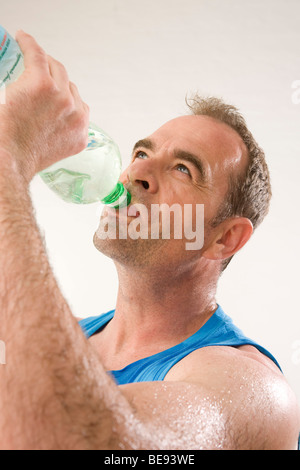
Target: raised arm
[54,392]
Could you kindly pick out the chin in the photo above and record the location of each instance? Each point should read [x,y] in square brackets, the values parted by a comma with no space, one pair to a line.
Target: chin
[159,255]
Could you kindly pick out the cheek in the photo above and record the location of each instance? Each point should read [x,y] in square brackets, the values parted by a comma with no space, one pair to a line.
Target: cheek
[175,192]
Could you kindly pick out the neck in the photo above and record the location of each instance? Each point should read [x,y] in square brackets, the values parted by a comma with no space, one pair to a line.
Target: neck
[162,308]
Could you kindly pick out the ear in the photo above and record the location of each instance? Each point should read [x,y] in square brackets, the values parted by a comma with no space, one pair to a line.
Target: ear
[231,236]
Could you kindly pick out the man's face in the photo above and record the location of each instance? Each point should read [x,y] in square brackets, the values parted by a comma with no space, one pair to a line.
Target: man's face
[187,161]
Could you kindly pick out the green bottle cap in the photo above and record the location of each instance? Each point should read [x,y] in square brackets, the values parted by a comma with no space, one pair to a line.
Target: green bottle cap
[119,197]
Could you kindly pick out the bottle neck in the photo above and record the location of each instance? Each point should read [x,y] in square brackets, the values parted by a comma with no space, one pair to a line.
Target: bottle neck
[118,197]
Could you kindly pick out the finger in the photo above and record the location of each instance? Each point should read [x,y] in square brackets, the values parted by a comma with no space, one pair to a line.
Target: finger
[35,57]
[58,73]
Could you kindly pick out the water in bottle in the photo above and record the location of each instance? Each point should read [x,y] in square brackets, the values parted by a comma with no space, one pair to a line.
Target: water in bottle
[90,176]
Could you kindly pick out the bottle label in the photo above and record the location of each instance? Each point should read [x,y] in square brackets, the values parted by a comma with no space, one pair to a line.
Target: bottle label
[11,58]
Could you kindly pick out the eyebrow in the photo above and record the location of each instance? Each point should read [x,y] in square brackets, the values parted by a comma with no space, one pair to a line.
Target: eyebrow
[146,143]
[178,154]
[194,160]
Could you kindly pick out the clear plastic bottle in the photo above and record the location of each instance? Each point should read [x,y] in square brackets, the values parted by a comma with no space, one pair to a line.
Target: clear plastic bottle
[90,176]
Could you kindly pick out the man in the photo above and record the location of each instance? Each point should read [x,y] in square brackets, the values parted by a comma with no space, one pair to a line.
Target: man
[56,392]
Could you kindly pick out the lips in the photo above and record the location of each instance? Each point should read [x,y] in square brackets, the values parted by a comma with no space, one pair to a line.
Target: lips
[129,211]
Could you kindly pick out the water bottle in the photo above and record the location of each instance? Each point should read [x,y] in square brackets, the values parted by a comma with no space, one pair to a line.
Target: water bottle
[91,175]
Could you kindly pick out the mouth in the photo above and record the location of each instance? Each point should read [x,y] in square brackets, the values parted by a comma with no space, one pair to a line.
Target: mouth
[130,212]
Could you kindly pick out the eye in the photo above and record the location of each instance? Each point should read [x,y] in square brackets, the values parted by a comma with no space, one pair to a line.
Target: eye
[183,169]
[140,154]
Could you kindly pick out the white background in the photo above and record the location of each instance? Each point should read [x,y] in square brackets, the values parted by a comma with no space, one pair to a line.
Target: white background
[133,62]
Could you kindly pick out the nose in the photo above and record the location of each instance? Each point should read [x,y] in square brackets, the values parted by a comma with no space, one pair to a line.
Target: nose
[142,176]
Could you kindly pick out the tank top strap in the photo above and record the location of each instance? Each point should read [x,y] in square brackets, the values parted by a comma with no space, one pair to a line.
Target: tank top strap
[219,330]
[92,325]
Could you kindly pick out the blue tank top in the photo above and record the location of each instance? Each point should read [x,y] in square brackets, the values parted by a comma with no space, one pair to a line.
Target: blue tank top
[219,330]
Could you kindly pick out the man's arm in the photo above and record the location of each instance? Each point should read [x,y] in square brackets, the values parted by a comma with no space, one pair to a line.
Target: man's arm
[54,392]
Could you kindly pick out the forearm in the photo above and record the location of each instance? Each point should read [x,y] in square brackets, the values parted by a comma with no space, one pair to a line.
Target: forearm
[54,390]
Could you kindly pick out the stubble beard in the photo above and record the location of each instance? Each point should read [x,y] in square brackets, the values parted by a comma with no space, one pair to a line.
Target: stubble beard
[125,250]
[135,253]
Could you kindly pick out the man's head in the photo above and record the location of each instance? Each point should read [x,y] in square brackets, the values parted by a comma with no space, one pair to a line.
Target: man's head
[210,158]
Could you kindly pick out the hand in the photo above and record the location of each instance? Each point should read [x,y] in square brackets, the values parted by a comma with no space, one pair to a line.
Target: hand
[44,119]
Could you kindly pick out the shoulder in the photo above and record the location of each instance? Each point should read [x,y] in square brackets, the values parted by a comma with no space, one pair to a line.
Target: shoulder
[210,358]
[259,406]
[217,398]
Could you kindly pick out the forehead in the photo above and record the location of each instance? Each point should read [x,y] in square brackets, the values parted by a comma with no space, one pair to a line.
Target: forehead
[216,142]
